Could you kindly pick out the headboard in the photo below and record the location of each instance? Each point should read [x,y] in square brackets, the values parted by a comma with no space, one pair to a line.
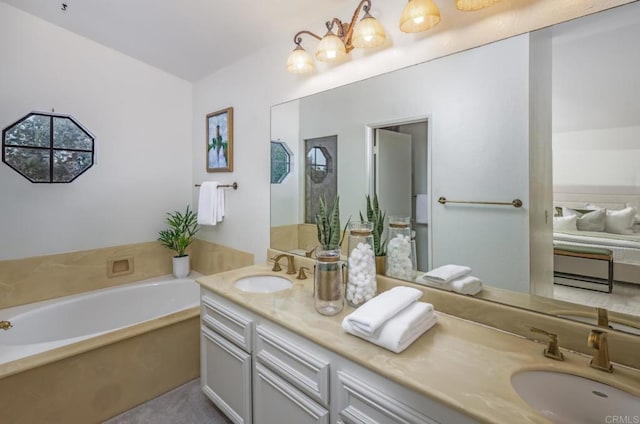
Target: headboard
[608,197]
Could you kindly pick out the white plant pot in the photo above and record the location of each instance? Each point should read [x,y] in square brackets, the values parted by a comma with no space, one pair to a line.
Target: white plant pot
[181,266]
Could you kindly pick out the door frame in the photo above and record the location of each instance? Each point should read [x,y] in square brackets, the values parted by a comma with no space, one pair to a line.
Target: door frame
[370,130]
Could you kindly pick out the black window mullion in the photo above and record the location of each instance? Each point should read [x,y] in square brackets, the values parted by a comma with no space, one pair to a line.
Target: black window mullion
[50,149]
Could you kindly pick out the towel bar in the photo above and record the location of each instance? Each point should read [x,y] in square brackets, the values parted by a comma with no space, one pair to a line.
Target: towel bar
[233,186]
[516,203]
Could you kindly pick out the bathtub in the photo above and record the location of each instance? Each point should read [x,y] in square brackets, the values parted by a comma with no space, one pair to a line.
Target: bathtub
[50,324]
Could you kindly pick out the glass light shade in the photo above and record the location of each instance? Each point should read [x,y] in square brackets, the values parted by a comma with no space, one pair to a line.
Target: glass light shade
[419,15]
[368,33]
[469,5]
[330,48]
[299,61]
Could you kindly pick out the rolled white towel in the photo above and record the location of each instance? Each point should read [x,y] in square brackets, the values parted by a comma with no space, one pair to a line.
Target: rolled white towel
[375,312]
[467,285]
[400,331]
[447,273]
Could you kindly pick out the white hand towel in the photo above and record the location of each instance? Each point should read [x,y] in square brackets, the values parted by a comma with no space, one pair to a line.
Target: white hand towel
[422,203]
[220,207]
[421,279]
[400,331]
[467,285]
[447,273]
[370,316]
[208,203]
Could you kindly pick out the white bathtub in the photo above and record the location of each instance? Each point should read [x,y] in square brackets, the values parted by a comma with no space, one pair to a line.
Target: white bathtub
[46,325]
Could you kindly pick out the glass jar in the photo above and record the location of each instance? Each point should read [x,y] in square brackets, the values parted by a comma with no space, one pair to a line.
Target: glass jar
[361,266]
[328,286]
[399,250]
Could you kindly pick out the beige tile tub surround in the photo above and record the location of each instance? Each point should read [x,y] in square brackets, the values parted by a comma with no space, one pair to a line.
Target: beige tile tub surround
[45,277]
[91,381]
[465,365]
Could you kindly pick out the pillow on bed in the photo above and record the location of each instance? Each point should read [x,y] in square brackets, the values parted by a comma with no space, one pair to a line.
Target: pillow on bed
[620,222]
[592,221]
[564,223]
[587,220]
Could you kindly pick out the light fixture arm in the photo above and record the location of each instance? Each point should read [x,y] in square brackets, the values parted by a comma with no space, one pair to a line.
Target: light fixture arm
[364,5]
[297,39]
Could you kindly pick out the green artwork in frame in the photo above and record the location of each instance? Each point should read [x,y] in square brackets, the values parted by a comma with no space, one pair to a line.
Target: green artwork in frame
[220,141]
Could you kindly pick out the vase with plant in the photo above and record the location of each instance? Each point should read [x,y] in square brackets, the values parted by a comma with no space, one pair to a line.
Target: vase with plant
[376,216]
[328,290]
[181,230]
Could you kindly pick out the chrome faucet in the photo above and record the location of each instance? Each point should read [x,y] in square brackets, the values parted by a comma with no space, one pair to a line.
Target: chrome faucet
[5,325]
[291,266]
[598,340]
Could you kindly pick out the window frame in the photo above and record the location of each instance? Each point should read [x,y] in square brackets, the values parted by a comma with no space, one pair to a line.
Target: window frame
[50,148]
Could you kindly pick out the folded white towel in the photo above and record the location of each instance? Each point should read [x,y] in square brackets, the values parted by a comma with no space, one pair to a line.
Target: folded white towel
[210,203]
[370,316]
[467,285]
[447,273]
[400,331]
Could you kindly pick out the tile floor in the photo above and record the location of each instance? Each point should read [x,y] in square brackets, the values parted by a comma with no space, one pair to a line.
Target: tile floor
[183,405]
[624,298]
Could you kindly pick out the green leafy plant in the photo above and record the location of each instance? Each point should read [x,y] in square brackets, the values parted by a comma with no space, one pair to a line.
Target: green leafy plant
[182,229]
[376,216]
[328,224]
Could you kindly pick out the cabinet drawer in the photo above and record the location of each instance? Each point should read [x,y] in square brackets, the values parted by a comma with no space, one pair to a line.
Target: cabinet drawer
[228,321]
[294,362]
[276,401]
[361,403]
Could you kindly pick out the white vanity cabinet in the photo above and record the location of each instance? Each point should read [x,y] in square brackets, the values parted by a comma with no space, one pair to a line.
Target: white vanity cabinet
[257,371]
[290,380]
[225,357]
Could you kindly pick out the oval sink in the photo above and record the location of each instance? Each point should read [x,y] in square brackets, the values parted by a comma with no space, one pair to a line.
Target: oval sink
[263,284]
[568,398]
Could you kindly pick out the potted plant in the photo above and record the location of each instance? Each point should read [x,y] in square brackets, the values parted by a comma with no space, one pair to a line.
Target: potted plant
[179,235]
[376,216]
[328,225]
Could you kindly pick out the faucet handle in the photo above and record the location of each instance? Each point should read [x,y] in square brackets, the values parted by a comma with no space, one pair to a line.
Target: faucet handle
[552,350]
[598,340]
[276,264]
[301,274]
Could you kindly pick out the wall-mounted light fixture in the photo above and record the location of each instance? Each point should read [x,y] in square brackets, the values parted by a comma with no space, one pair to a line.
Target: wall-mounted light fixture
[417,16]
[366,33]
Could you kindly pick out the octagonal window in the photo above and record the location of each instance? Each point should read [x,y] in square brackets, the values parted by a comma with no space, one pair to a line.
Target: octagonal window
[280,161]
[47,148]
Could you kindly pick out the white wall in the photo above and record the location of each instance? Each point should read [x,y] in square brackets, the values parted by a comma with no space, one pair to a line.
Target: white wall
[259,81]
[597,157]
[141,119]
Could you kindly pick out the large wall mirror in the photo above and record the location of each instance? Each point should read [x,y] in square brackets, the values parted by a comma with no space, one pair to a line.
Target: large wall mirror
[550,117]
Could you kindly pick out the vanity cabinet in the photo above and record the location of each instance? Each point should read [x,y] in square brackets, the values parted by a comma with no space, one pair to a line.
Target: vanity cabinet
[286,378]
[225,358]
[291,378]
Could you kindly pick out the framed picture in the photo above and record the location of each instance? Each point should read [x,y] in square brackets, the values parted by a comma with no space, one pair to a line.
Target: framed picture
[220,141]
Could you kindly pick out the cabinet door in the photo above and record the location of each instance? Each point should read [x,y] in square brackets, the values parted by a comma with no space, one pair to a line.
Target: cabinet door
[276,401]
[226,376]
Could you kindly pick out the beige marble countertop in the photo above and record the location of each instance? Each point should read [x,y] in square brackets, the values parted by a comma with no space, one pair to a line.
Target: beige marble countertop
[464,365]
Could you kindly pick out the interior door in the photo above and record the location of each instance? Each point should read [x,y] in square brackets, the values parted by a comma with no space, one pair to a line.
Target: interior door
[393,172]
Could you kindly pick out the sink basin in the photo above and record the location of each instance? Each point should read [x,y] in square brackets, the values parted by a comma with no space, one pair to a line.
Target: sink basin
[570,399]
[590,320]
[263,284]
